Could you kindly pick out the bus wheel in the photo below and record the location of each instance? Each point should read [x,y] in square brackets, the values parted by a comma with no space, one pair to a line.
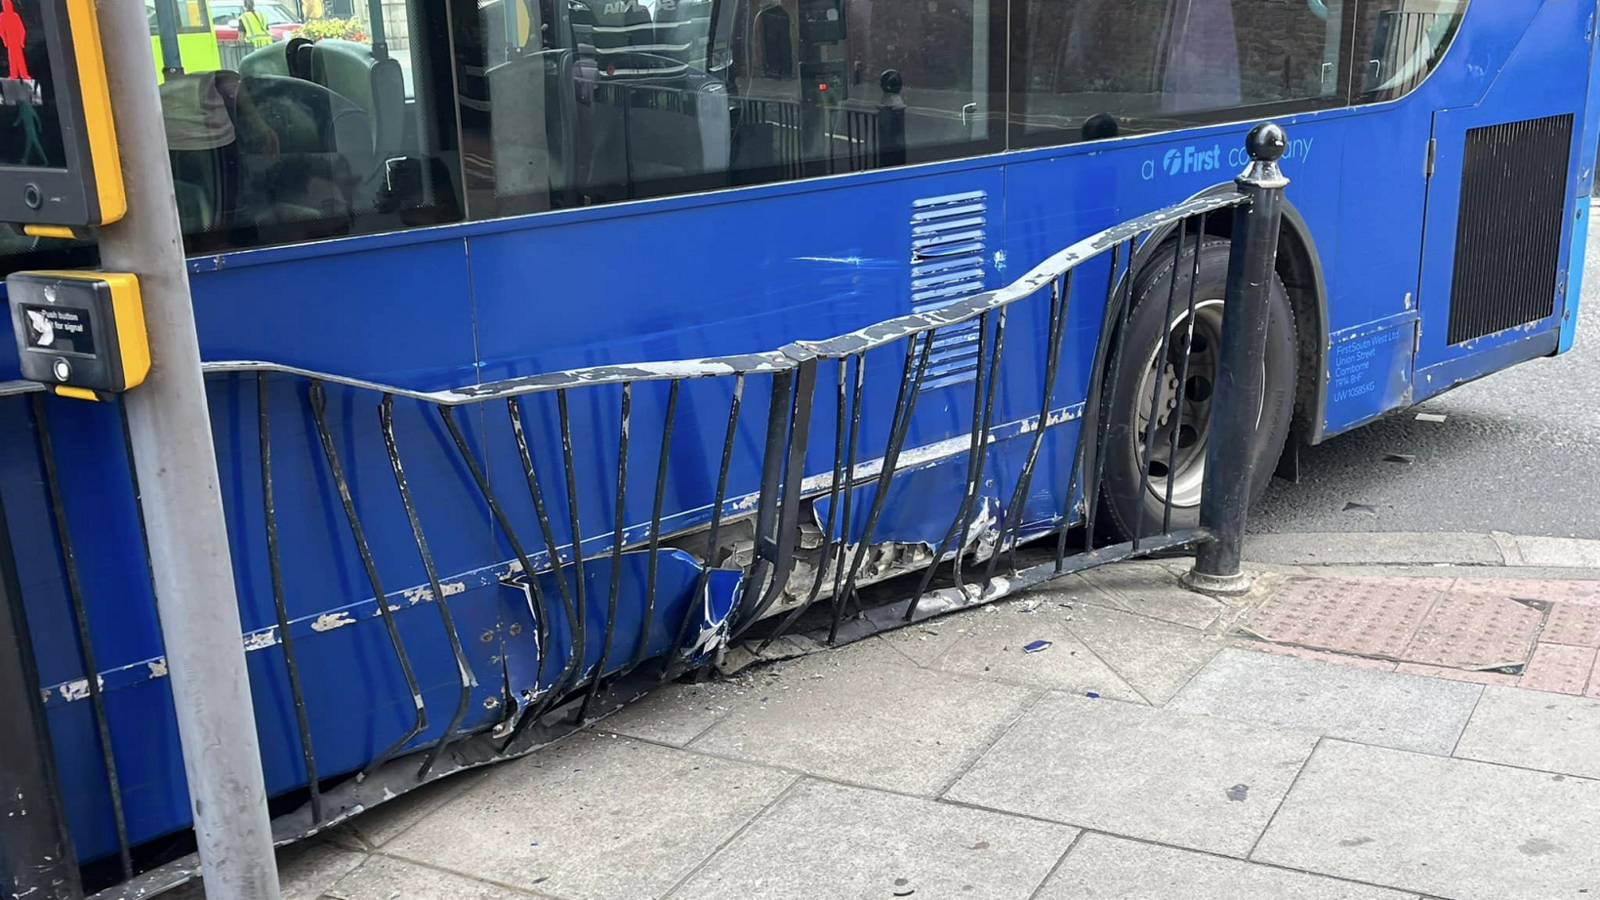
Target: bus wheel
[1185,408]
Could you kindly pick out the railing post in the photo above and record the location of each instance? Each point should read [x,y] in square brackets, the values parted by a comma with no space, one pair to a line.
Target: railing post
[1236,404]
[891,121]
[36,855]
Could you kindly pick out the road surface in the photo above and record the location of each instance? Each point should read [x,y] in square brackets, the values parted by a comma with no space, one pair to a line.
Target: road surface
[1518,452]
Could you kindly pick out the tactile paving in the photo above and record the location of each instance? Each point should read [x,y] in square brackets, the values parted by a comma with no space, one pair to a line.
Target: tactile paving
[1564,670]
[1574,624]
[1363,616]
[1473,630]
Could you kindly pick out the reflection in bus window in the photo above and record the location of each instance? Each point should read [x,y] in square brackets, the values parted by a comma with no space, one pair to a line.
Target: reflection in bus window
[306,140]
[571,102]
[1398,42]
[1088,69]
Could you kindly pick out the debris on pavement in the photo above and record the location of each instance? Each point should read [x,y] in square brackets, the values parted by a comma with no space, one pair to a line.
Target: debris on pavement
[1404,459]
[1431,417]
[1035,646]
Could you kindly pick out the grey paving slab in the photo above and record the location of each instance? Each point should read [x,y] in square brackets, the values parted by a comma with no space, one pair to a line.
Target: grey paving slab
[1155,658]
[678,713]
[1552,551]
[1191,781]
[866,721]
[1443,827]
[1151,589]
[381,878]
[1393,548]
[1535,730]
[842,843]
[991,646]
[305,870]
[595,816]
[1103,867]
[380,824]
[924,642]
[1408,712]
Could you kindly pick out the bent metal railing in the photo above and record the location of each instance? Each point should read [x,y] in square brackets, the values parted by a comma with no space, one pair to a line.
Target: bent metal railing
[769,593]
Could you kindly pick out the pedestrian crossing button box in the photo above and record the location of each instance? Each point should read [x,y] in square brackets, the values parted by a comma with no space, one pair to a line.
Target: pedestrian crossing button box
[80,333]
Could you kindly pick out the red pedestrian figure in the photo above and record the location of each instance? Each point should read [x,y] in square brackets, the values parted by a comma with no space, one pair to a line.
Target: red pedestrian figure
[14,35]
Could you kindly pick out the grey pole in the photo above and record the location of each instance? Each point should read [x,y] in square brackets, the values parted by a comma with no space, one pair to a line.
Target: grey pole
[180,495]
[1236,404]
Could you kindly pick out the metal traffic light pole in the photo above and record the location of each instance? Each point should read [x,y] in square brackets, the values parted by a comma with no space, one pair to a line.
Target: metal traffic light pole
[180,494]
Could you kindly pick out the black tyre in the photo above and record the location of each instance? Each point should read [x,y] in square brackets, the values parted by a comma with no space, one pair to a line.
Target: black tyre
[1127,410]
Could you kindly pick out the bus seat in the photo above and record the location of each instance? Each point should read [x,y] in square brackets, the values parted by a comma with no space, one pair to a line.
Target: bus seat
[195,209]
[323,139]
[375,85]
[273,59]
[299,57]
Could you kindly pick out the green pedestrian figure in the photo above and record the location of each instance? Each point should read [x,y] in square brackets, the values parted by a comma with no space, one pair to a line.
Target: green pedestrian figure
[28,121]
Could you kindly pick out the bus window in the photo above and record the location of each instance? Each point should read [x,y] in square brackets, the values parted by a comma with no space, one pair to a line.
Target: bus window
[353,141]
[571,102]
[1090,69]
[1398,42]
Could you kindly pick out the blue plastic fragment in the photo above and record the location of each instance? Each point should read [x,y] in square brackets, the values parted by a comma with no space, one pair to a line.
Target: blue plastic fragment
[1092,695]
[1035,646]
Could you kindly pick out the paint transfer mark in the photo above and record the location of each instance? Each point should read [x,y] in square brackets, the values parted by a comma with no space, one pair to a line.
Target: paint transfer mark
[330,621]
[158,667]
[260,640]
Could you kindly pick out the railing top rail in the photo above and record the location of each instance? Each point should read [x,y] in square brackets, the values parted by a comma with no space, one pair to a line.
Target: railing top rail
[788,357]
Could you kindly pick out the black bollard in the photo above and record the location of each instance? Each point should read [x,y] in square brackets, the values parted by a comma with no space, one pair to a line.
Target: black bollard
[1236,405]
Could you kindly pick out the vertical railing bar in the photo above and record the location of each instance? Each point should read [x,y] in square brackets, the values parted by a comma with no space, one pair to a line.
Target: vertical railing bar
[619,523]
[905,407]
[780,409]
[651,579]
[1155,393]
[319,414]
[1103,435]
[1060,288]
[838,599]
[547,531]
[580,637]
[279,604]
[1183,377]
[787,535]
[974,453]
[830,545]
[463,666]
[80,619]
[712,531]
[983,437]
[1090,428]
[538,609]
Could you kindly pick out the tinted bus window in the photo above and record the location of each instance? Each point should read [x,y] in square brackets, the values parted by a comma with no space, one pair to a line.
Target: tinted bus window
[302,140]
[571,102]
[1087,69]
[1398,42]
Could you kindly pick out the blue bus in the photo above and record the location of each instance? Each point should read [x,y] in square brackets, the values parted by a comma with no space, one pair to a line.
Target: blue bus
[546,340]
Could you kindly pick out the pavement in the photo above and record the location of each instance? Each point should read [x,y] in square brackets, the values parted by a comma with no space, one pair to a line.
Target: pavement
[1514,435]
[1411,718]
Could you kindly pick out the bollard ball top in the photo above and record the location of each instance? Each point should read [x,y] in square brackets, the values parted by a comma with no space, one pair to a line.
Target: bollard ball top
[1266,142]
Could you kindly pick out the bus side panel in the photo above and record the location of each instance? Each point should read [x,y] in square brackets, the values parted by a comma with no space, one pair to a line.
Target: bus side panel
[685,283]
[1530,84]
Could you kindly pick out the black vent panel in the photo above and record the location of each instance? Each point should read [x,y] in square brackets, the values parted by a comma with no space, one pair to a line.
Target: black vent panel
[1508,235]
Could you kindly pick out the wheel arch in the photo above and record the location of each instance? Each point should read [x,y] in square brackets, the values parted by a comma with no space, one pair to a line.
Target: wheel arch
[1300,267]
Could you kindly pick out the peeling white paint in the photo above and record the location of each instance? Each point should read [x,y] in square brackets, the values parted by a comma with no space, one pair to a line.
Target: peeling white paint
[260,640]
[78,690]
[330,621]
[158,667]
